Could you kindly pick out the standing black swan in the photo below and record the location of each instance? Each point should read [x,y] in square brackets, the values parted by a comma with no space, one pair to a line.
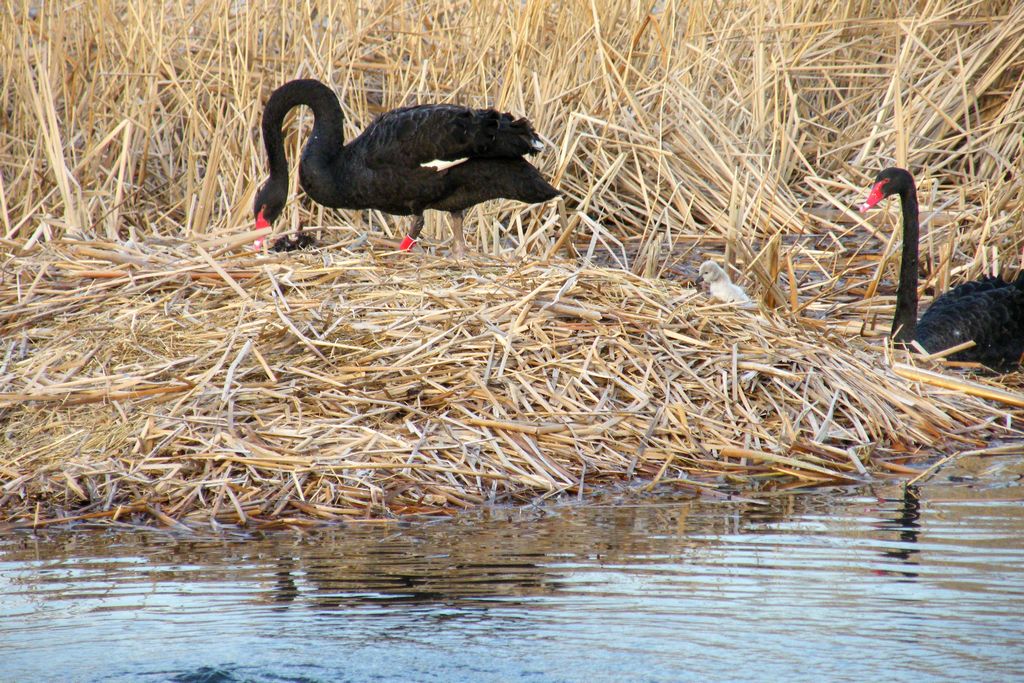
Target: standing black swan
[989,311]
[431,156]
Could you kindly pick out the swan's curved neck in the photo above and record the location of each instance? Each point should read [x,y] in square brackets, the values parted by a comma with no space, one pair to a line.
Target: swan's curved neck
[328,133]
[904,322]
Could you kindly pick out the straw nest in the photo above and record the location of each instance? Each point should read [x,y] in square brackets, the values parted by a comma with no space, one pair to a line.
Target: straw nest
[355,383]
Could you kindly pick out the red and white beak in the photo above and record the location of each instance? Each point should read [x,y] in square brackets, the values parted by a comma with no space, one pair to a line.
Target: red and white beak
[876,195]
[261,223]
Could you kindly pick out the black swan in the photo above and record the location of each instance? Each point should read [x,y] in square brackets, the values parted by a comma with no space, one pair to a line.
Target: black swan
[989,311]
[432,156]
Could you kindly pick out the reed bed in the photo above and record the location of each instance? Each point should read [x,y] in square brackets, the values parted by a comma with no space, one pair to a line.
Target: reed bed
[153,366]
[355,382]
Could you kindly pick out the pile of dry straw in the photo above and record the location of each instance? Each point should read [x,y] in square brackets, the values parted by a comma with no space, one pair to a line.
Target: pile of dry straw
[152,367]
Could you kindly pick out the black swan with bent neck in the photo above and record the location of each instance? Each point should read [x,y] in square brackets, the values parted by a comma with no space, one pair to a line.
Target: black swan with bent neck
[432,156]
[988,311]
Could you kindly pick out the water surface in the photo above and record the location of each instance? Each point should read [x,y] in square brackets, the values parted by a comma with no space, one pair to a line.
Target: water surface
[877,584]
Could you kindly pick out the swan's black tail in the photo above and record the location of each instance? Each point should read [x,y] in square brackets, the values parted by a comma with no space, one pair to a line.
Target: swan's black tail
[500,135]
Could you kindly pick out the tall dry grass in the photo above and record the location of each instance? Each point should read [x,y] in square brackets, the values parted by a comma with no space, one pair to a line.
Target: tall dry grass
[670,122]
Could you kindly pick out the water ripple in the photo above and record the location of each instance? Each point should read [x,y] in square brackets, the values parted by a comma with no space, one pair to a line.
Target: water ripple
[810,587]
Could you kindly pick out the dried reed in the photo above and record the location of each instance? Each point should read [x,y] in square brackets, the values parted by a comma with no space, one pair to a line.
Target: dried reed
[149,368]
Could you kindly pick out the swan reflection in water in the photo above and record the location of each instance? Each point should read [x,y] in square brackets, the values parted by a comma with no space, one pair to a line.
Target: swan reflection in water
[906,524]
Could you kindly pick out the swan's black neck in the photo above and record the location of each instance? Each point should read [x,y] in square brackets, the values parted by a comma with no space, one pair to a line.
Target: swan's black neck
[904,322]
[327,139]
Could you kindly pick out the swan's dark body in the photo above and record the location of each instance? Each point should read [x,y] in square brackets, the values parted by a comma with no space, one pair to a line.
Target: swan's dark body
[989,311]
[382,167]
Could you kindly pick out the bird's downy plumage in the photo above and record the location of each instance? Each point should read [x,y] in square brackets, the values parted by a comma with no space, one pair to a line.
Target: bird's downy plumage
[988,311]
[433,156]
[721,287]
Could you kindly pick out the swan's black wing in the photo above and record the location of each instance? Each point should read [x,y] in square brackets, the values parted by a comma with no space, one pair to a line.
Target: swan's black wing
[990,313]
[412,136]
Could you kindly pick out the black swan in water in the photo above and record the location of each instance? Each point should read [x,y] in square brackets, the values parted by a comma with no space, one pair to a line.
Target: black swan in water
[989,311]
[431,156]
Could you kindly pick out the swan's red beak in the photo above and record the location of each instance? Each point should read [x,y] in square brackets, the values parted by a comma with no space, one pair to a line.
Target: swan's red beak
[407,244]
[261,222]
[874,197]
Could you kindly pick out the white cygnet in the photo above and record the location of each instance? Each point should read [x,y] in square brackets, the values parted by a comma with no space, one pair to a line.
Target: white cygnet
[721,287]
